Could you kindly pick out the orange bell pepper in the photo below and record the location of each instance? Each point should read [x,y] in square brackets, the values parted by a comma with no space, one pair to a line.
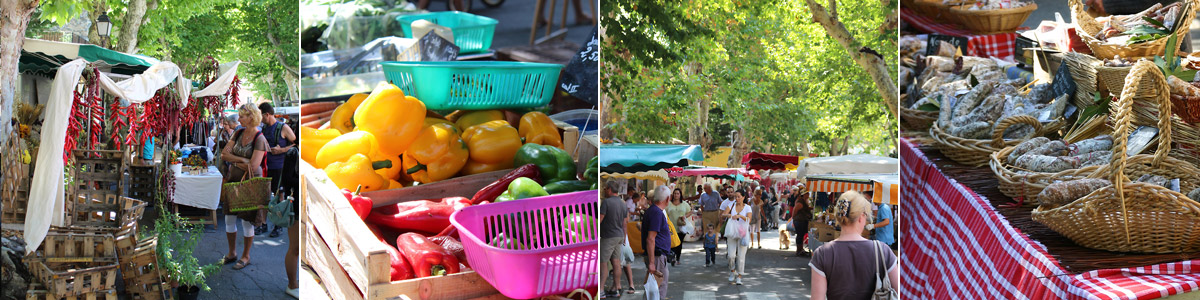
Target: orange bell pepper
[311,141]
[537,128]
[436,154]
[492,145]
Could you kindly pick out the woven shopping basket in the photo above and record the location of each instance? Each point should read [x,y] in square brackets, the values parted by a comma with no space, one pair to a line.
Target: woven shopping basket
[1089,27]
[1134,216]
[247,195]
[1015,184]
[991,21]
[976,153]
[916,119]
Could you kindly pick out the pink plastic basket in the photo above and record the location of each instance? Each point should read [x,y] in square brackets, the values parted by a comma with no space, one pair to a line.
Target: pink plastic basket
[550,254]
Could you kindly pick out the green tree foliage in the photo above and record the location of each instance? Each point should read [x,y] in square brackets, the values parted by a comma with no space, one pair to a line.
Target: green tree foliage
[765,66]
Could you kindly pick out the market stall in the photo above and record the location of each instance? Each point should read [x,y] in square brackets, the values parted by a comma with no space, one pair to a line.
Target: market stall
[626,161]
[417,141]
[1054,159]
[81,197]
[767,161]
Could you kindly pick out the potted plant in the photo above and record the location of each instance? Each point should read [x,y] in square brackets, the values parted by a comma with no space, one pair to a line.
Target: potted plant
[177,240]
[175,160]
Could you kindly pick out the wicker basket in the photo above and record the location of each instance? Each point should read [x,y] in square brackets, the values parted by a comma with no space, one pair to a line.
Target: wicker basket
[976,153]
[991,21]
[916,119]
[1018,185]
[1089,27]
[930,8]
[1084,70]
[1133,216]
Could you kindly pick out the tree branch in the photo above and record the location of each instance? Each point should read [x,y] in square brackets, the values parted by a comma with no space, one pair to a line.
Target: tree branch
[874,66]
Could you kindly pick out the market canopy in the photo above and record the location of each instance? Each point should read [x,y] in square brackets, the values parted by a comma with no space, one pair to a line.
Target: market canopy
[852,164]
[702,171]
[884,187]
[659,175]
[43,57]
[632,158]
[767,161]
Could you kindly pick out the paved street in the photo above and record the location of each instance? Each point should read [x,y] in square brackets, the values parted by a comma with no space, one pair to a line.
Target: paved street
[264,278]
[772,274]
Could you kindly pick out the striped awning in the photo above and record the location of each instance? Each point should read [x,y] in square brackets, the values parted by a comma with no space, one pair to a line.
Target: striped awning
[658,175]
[885,191]
[835,185]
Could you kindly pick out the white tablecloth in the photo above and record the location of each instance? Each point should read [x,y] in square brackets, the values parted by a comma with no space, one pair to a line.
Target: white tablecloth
[200,191]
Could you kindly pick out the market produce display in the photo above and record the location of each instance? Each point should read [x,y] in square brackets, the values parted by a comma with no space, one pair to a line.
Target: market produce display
[388,140]
[1151,24]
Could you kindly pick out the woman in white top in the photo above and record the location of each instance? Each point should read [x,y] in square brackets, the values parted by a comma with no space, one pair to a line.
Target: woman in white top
[737,233]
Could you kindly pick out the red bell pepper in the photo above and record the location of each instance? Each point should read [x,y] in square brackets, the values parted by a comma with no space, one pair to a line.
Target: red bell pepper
[361,204]
[423,215]
[448,239]
[491,191]
[427,257]
[401,269]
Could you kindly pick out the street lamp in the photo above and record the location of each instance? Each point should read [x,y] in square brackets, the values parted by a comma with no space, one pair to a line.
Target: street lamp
[103,26]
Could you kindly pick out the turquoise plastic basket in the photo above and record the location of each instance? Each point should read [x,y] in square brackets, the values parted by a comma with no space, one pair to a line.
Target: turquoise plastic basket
[471,33]
[475,85]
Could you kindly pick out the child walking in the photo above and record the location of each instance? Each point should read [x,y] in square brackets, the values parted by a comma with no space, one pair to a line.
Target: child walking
[710,246]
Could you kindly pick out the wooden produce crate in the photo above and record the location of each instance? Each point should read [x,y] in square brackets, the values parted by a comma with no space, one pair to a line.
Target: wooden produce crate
[142,182]
[139,269]
[103,210]
[353,264]
[75,279]
[16,194]
[38,292]
[76,246]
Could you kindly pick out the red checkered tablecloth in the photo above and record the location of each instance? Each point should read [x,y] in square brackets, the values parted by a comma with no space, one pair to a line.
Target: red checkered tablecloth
[989,45]
[957,246]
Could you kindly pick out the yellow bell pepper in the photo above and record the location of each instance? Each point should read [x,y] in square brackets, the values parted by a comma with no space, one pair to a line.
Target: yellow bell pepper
[311,141]
[431,121]
[343,116]
[472,118]
[394,119]
[393,184]
[438,153]
[492,145]
[345,146]
[392,172]
[357,170]
[537,128]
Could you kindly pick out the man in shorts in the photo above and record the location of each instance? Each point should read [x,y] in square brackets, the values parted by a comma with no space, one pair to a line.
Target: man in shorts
[612,234]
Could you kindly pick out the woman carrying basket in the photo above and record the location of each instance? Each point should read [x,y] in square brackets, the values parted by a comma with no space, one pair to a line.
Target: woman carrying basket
[245,152]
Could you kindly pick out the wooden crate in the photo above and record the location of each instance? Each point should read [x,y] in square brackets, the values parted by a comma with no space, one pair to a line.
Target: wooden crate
[74,279]
[103,210]
[76,246]
[38,292]
[139,269]
[16,195]
[353,264]
[142,182]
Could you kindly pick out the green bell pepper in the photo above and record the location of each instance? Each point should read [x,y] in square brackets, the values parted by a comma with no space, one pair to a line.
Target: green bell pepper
[522,188]
[567,186]
[555,164]
[593,170]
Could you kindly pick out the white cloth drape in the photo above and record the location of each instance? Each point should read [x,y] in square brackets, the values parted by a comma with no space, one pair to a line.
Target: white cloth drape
[46,198]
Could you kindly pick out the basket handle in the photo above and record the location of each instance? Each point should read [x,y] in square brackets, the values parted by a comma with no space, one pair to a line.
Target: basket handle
[1122,112]
[998,133]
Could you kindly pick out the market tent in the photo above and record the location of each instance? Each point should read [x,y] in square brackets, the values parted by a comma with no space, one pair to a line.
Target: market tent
[878,184]
[632,158]
[887,189]
[766,161]
[679,172]
[659,175]
[852,164]
[42,57]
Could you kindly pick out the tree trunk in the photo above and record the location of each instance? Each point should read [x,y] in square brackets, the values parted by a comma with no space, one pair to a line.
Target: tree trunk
[698,133]
[135,15]
[14,17]
[93,34]
[293,87]
[875,66]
